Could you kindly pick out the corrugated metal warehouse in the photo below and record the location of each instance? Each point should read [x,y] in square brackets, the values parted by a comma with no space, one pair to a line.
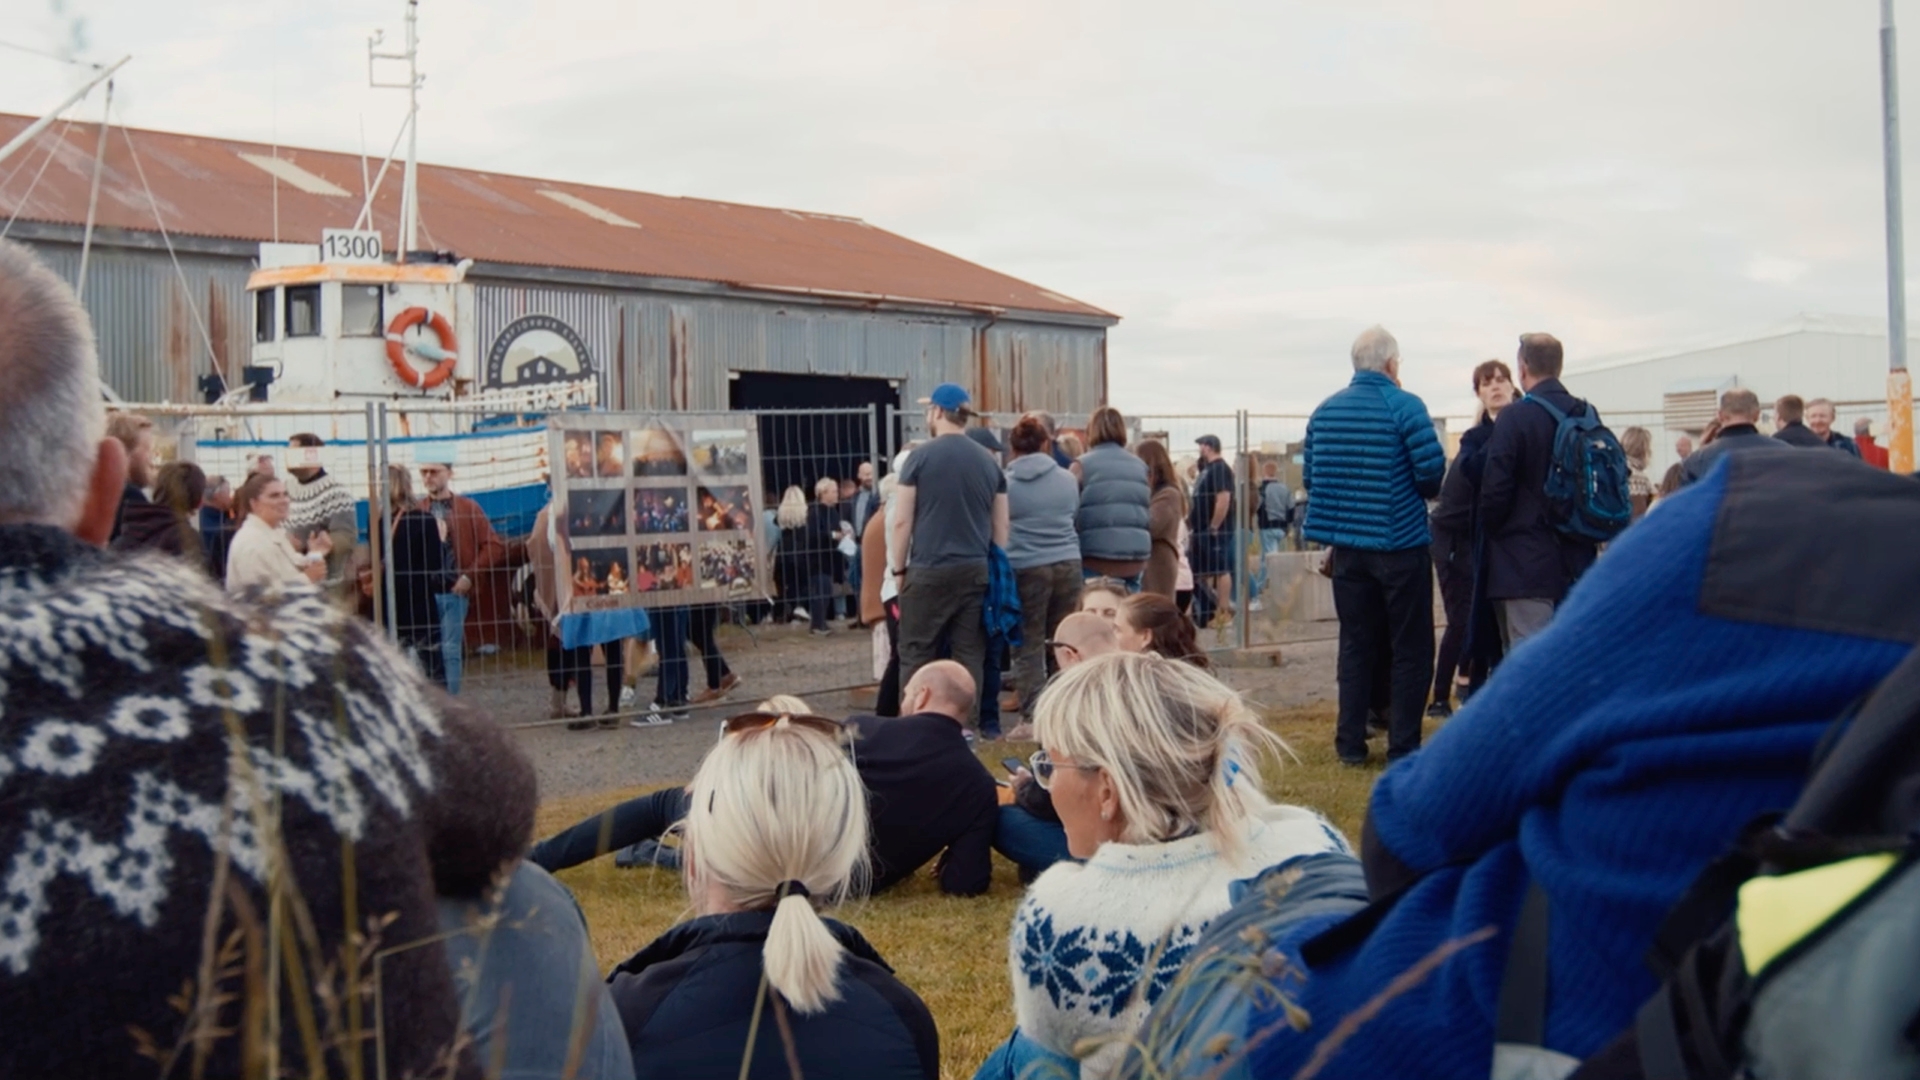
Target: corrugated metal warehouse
[1675,389]
[682,303]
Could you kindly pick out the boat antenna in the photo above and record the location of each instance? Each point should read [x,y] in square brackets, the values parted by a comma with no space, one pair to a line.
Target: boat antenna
[409,195]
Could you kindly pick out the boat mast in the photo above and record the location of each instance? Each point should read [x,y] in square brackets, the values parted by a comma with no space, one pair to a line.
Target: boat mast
[40,125]
[409,194]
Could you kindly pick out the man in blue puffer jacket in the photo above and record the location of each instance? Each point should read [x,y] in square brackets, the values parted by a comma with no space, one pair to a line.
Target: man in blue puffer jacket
[1372,461]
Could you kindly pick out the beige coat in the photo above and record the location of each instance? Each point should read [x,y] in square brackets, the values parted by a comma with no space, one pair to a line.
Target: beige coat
[262,555]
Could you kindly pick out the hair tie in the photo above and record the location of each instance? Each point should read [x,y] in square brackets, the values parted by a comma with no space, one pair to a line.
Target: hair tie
[1233,770]
[791,888]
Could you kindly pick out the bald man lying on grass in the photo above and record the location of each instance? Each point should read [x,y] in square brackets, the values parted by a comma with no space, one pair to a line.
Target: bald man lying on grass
[929,797]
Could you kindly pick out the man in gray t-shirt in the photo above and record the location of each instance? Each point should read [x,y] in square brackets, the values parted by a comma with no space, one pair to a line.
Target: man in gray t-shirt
[952,500]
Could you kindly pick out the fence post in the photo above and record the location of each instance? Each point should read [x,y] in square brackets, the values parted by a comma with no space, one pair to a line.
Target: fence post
[386,521]
[376,481]
[873,447]
[1241,581]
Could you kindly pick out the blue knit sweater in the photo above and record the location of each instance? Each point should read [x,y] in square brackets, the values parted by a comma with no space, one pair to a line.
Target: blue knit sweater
[1611,758]
[1372,461]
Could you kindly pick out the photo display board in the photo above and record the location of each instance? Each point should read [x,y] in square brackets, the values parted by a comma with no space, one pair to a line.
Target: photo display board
[658,510]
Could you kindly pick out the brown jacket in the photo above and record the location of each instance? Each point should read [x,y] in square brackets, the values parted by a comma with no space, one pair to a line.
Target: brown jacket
[873,567]
[1164,515]
[480,554]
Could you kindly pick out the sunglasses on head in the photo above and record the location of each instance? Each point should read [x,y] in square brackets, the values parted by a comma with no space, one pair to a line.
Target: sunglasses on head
[754,721]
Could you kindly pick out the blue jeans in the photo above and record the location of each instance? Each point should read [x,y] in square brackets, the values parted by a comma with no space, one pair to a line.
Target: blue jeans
[1271,540]
[670,637]
[1021,1058]
[1032,843]
[530,990]
[453,637]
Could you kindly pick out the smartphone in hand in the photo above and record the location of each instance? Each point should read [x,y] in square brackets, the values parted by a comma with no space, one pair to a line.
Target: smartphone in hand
[1012,765]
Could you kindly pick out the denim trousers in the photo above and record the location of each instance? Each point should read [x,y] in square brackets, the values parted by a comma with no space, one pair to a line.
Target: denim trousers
[670,638]
[531,995]
[1029,842]
[453,637]
[1271,541]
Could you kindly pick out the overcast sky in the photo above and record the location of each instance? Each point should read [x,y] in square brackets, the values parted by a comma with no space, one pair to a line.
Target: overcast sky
[1248,184]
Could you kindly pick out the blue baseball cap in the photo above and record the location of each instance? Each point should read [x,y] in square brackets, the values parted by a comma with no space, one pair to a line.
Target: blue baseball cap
[948,397]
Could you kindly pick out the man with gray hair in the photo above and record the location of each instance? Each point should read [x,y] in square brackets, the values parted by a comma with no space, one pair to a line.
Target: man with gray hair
[132,685]
[1371,462]
[1739,434]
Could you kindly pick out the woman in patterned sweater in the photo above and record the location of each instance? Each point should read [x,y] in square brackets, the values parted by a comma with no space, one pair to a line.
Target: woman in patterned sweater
[1152,764]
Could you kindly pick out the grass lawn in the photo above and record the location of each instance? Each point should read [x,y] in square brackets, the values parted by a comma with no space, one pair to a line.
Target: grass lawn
[953,952]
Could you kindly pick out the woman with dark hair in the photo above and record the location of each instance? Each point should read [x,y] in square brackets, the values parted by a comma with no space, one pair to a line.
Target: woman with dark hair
[1112,518]
[1166,512]
[1152,623]
[1042,547]
[170,521]
[1471,644]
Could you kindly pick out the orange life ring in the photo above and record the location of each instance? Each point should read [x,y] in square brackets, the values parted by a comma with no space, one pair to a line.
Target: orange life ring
[397,350]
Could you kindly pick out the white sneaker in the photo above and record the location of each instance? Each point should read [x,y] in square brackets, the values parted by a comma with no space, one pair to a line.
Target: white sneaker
[487,650]
[627,698]
[1253,605]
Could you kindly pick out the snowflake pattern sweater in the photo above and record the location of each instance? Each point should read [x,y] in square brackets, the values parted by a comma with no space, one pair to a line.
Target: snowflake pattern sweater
[1095,944]
[149,725]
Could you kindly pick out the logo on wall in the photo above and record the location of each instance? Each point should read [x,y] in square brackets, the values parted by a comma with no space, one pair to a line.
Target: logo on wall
[537,349]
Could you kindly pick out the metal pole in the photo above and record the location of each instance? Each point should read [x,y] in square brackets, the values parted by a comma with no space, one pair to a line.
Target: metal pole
[376,498]
[1899,382]
[386,521]
[93,195]
[1243,592]
[40,125]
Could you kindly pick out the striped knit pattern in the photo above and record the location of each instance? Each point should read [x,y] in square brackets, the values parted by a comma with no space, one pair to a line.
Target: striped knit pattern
[1370,452]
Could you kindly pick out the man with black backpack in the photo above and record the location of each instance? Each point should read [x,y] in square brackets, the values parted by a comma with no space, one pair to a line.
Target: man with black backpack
[1274,513]
[1554,490]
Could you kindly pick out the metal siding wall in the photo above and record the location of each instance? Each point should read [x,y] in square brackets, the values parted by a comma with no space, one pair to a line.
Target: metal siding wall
[144,325]
[592,315]
[1028,366]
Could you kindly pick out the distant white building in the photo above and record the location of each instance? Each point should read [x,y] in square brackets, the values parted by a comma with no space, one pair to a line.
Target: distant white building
[1675,389]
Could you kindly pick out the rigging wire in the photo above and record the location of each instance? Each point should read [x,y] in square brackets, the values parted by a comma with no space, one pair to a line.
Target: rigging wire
[167,239]
[53,150]
[29,50]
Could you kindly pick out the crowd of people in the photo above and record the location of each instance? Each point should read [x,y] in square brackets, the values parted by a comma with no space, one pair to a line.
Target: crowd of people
[227,798]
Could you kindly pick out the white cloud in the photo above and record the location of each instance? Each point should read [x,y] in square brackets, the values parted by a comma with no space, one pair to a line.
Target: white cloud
[1248,183]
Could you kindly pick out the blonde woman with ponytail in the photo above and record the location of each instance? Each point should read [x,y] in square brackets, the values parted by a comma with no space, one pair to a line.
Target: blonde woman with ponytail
[775,828]
[1154,768]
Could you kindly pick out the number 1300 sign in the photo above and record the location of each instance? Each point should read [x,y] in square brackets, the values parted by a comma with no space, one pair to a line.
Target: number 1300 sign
[349,246]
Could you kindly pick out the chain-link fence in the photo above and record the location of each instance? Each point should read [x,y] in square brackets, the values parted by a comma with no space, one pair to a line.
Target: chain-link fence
[390,485]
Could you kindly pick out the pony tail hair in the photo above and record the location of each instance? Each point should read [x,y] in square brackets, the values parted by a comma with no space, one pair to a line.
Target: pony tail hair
[1240,741]
[802,958]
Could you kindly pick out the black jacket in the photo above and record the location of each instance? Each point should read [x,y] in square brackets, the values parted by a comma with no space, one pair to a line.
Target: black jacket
[1798,434]
[1733,439]
[928,794]
[1527,558]
[1453,516]
[687,1000]
[148,526]
[421,572]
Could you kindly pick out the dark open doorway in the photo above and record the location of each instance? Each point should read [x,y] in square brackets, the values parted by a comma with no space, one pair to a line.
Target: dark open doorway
[797,449]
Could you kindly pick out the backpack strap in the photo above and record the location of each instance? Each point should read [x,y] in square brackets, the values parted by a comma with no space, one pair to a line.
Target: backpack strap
[1522,1018]
[1558,416]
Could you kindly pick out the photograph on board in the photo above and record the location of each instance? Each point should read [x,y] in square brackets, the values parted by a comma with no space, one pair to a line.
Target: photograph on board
[601,572]
[577,451]
[662,567]
[592,512]
[660,510]
[657,452]
[726,564]
[724,509]
[719,453]
[610,457]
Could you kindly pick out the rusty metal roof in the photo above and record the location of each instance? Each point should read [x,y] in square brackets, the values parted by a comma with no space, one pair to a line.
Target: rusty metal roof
[206,187]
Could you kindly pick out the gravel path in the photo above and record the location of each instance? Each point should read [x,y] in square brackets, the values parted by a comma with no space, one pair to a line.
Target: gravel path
[778,660]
